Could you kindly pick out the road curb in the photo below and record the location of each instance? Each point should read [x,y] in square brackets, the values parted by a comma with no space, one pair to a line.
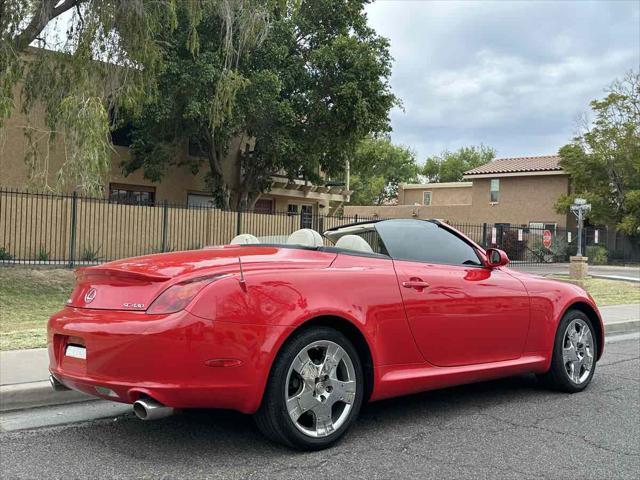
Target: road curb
[620,328]
[36,394]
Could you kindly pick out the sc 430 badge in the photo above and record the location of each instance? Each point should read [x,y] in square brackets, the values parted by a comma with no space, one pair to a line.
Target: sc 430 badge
[133,305]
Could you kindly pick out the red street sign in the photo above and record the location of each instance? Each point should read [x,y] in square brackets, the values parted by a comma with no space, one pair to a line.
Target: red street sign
[546,238]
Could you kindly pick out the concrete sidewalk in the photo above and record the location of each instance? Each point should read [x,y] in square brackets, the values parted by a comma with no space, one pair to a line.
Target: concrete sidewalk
[24,375]
[24,381]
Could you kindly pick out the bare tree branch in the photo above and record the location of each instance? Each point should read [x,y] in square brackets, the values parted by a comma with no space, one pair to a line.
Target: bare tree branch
[47,12]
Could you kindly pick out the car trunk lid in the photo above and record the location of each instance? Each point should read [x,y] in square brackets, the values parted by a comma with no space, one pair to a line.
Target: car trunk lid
[133,284]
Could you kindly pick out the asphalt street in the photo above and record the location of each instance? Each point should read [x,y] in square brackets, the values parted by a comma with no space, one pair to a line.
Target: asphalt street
[503,429]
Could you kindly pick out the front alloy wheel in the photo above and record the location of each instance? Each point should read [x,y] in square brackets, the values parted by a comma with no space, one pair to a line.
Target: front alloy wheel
[574,354]
[314,391]
[577,351]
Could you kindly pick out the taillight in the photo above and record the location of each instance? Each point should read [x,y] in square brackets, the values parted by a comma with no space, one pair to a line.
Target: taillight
[177,297]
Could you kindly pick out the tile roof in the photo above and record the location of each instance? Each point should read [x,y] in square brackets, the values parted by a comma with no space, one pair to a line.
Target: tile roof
[518,164]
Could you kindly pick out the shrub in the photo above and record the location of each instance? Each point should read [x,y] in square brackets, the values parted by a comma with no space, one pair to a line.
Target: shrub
[514,248]
[4,254]
[597,254]
[561,248]
[42,255]
[559,251]
[90,254]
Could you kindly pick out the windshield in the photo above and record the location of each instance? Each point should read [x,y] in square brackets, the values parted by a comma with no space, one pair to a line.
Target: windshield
[407,239]
[426,241]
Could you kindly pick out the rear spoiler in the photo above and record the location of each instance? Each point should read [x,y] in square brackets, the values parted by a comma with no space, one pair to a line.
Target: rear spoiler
[121,273]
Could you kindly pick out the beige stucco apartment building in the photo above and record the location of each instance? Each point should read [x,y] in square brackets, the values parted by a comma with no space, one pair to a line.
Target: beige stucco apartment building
[179,186]
[514,191]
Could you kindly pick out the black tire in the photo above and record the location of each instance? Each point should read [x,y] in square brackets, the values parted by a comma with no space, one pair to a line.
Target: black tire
[273,418]
[558,377]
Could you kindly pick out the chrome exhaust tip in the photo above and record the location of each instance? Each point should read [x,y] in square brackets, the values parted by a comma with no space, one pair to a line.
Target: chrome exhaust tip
[148,409]
[57,385]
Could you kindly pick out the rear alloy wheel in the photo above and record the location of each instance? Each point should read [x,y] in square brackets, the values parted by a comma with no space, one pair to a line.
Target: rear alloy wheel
[574,354]
[315,390]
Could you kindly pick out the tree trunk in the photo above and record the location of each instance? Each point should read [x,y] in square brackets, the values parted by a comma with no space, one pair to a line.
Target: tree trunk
[213,155]
[47,12]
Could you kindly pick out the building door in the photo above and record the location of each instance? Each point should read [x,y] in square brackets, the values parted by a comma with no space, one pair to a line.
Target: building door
[306,216]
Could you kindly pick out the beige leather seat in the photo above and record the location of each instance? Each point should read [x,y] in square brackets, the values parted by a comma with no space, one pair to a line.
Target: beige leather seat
[244,239]
[305,237]
[354,242]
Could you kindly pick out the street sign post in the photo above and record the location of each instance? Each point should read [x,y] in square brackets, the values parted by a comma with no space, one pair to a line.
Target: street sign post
[579,208]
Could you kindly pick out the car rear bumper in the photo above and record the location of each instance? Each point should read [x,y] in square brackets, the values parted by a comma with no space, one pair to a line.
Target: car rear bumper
[180,360]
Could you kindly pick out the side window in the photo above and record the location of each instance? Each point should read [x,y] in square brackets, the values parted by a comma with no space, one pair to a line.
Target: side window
[424,241]
[426,198]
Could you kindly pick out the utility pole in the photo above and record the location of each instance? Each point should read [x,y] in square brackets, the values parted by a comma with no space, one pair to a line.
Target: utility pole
[579,208]
[347,171]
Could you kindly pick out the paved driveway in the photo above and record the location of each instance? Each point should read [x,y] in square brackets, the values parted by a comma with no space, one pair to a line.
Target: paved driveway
[501,429]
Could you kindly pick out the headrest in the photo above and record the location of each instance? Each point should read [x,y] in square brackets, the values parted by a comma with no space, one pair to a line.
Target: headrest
[306,237]
[244,239]
[354,242]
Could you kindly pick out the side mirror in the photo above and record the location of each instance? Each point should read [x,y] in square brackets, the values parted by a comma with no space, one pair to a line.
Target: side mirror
[496,257]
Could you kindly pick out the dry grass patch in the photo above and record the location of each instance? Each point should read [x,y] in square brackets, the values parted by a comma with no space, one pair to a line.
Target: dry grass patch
[28,296]
[607,292]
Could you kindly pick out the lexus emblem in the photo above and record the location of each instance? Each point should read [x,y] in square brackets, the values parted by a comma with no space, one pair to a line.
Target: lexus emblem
[90,295]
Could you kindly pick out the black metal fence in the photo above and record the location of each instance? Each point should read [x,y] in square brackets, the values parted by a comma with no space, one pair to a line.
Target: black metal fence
[42,228]
[527,244]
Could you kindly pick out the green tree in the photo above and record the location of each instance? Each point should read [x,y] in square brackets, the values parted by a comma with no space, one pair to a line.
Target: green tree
[450,166]
[604,159]
[107,57]
[314,86]
[378,167]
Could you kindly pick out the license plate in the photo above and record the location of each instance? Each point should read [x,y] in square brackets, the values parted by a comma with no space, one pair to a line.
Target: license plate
[76,351]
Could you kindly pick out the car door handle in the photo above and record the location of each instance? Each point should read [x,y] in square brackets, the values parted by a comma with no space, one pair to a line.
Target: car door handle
[415,283]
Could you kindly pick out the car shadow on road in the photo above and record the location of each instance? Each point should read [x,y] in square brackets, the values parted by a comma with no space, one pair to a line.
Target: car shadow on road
[226,435]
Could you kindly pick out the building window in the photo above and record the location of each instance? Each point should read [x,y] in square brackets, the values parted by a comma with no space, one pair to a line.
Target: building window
[264,205]
[495,190]
[132,194]
[198,200]
[538,227]
[306,214]
[426,198]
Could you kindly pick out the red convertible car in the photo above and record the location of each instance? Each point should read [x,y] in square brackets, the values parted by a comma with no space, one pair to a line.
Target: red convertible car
[300,334]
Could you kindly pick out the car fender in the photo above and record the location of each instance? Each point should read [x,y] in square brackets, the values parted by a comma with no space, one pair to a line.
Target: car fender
[361,291]
[550,300]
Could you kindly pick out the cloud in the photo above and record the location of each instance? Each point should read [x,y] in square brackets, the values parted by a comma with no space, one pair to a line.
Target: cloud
[513,75]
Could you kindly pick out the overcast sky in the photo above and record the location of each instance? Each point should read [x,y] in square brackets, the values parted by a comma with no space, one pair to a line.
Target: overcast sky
[513,75]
